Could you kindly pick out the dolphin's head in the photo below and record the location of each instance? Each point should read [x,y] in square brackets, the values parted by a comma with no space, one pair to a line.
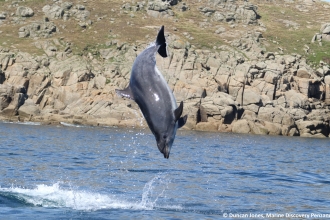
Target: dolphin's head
[165,140]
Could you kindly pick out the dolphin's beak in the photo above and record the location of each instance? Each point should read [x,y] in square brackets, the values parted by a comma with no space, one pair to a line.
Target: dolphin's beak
[164,149]
[166,152]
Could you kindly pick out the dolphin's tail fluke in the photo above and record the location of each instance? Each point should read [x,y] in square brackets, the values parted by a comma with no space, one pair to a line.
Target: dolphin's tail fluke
[161,42]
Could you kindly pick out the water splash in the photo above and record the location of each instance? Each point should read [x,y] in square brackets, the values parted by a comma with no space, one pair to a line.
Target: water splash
[54,196]
[153,190]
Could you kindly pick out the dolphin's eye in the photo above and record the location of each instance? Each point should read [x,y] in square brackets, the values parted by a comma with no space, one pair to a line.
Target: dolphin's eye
[164,136]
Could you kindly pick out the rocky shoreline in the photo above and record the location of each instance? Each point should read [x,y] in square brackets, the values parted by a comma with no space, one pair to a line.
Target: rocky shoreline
[238,87]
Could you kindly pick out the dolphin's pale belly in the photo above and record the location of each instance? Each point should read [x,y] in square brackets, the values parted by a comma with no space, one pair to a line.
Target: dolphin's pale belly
[155,99]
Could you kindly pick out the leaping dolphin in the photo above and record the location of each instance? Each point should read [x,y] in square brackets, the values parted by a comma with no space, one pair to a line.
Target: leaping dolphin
[148,88]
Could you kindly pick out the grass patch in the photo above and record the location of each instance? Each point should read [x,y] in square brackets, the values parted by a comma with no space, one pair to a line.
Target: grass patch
[111,22]
[279,16]
[319,53]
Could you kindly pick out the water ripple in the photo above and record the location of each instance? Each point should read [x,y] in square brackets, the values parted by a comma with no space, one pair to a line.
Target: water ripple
[94,173]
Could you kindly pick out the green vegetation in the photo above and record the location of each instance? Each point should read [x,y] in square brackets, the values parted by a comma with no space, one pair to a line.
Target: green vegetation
[319,53]
[292,29]
[289,27]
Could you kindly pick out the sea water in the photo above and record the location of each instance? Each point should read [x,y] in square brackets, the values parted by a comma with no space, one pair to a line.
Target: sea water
[78,172]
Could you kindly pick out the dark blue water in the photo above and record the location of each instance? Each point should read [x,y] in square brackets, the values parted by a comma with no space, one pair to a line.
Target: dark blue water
[63,172]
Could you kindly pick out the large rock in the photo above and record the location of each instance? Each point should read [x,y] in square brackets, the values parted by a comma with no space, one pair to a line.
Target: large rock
[228,114]
[250,96]
[17,74]
[159,8]
[325,28]
[37,83]
[303,73]
[24,11]
[249,115]
[325,31]
[241,126]
[247,13]
[219,106]
[18,99]
[296,100]
[275,115]
[37,29]
[80,13]
[309,87]
[236,83]
[228,11]
[313,128]
[327,89]
[28,109]
[271,77]
[264,88]
[273,128]
[6,95]
[6,59]
[158,5]
[207,126]
[319,115]
[289,59]
[70,71]
[65,11]
[53,11]
[3,15]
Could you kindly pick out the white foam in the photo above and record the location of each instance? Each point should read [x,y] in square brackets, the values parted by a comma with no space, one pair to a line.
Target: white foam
[71,125]
[22,122]
[54,196]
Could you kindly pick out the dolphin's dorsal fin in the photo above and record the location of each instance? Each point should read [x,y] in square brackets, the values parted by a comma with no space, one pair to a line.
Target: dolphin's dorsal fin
[178,111]
[127,93]
[161,42]
[182,121]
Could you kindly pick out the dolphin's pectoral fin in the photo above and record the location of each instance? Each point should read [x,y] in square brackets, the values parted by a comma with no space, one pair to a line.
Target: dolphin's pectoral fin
[178,111]
[125,93]
[182,121]
[161,41]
